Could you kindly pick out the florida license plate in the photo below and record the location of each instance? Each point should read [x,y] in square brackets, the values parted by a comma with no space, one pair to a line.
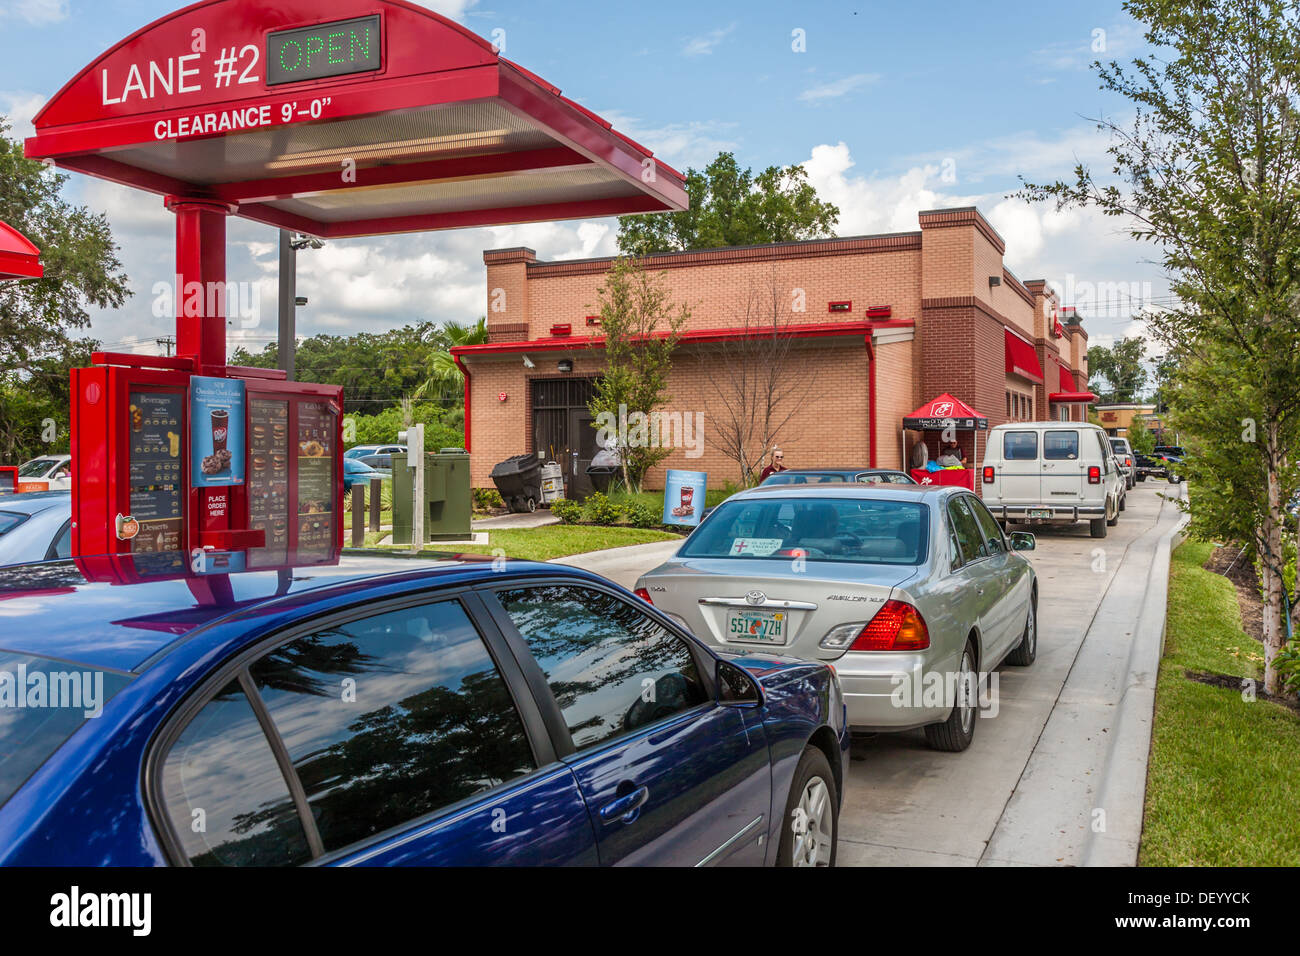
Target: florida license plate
[757,627]
[1040,512]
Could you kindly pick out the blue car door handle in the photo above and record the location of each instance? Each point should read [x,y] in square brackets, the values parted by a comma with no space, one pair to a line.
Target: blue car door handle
[626,806]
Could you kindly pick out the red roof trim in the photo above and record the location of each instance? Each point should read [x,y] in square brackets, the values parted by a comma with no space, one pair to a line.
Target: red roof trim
[18,257]
[809,330]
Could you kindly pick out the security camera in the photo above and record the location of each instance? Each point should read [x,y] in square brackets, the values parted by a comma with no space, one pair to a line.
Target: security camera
[528,363]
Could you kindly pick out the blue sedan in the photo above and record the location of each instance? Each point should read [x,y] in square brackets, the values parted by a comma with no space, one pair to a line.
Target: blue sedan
[468,712]
[357,472]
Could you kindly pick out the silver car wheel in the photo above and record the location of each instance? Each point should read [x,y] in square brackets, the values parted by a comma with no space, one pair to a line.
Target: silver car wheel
[808,824]
[966,688]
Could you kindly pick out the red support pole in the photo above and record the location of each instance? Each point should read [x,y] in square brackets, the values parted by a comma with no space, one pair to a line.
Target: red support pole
[201,279]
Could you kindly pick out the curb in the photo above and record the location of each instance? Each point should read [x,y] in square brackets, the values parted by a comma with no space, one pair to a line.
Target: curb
[1124,782]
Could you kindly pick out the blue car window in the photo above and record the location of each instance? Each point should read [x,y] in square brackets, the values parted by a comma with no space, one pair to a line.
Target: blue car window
[392,717]
[611,668]
[32,727]
[10,520]
[224,793]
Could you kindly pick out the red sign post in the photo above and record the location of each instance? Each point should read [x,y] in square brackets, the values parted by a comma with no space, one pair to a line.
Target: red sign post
[332,118]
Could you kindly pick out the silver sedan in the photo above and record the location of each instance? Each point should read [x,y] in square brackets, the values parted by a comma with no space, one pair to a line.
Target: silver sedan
[915,594]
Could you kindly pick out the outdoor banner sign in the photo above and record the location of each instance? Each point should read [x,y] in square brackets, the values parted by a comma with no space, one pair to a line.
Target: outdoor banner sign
[684,497]
[216,431]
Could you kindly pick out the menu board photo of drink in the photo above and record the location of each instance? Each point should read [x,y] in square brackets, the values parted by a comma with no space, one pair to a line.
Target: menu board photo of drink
[268,479]
[155,522]
[317,429]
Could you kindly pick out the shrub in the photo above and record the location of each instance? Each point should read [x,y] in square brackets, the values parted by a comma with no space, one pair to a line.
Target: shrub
[600,510]
[569,512]
[486,498]
[641,515]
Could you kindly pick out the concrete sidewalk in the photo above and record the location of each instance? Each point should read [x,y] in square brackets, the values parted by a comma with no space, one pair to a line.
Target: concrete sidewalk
[1080,797]
[624,565]
[524,519]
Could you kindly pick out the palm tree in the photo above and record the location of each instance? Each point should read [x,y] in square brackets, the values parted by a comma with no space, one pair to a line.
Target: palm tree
[444,374]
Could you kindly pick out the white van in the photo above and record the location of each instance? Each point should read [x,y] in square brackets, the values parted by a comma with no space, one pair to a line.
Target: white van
[1052,473]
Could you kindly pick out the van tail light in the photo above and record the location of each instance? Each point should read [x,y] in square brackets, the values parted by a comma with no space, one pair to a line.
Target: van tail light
[643,594]
[897,626]
[1128,462]
[988,474]
[1094,475]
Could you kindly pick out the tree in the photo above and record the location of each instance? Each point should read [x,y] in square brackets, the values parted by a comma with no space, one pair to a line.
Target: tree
[444,374]
[80,258]
[730,206]
[641,327]
[1120,369]
[34,403]
[754,379]
[1140,437]
[1209,173]
[376,370]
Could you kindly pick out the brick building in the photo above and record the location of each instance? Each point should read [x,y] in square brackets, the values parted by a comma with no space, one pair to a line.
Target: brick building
[879,324]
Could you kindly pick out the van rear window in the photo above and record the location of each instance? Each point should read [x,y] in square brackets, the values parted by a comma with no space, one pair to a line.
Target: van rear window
[1061,445]
[1020,446]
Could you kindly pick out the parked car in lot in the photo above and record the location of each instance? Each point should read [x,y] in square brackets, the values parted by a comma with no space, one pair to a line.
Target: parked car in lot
[814,476]
[357,472]
[452,714]
[380,463]
[35,526]
[361,451]
[1166,450]
[1052,473]
[54,470]
[898,587]
[1127,460]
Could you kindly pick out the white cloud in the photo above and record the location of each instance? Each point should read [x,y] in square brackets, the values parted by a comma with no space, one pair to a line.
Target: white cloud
[35,12]
[1093,43]
[451,9]
[705,43]
[678,144]
[21,107]
[838,88]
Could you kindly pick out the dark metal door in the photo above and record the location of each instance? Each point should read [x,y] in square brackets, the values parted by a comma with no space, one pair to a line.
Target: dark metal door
[562,428]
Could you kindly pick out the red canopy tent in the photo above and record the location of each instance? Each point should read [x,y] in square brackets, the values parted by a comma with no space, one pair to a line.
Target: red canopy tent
[946,413]
[19,259]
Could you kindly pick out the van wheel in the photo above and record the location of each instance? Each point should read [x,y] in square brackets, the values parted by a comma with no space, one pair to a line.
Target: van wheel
[1112,521]
[956,733]
[1097,527]
[1123,502]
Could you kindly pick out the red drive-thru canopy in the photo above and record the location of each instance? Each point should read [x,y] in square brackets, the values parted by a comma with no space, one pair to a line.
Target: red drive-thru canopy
[941,414]
[335,118]
[19,259]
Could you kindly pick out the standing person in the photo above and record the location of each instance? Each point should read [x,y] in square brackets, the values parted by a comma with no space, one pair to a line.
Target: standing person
[778,464]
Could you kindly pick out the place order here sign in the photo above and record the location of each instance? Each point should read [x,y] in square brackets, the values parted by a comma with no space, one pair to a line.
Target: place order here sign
[339,48]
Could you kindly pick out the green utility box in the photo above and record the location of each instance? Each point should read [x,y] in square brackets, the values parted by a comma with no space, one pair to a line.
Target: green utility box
[448,500]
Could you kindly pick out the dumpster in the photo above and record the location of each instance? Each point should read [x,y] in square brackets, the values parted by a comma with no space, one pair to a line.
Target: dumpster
[519,480]
[552,482]
[604,468]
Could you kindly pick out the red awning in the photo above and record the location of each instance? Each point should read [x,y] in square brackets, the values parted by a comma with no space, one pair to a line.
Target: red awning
[938,411]
[18,257]
[1022,360]
[1071,398]
[1067,377]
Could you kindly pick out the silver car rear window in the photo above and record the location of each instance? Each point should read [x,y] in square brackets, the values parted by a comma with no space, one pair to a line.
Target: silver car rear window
[844,530]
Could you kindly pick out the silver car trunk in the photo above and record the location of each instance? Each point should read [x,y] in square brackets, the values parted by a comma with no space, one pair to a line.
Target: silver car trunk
[808,598]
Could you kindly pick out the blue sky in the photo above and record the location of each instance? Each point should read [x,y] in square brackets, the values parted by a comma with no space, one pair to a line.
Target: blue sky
[893,108]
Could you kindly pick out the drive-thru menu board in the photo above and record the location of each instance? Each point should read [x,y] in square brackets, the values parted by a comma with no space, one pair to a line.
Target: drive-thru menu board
[156,479]
[268,479]
[316,434]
